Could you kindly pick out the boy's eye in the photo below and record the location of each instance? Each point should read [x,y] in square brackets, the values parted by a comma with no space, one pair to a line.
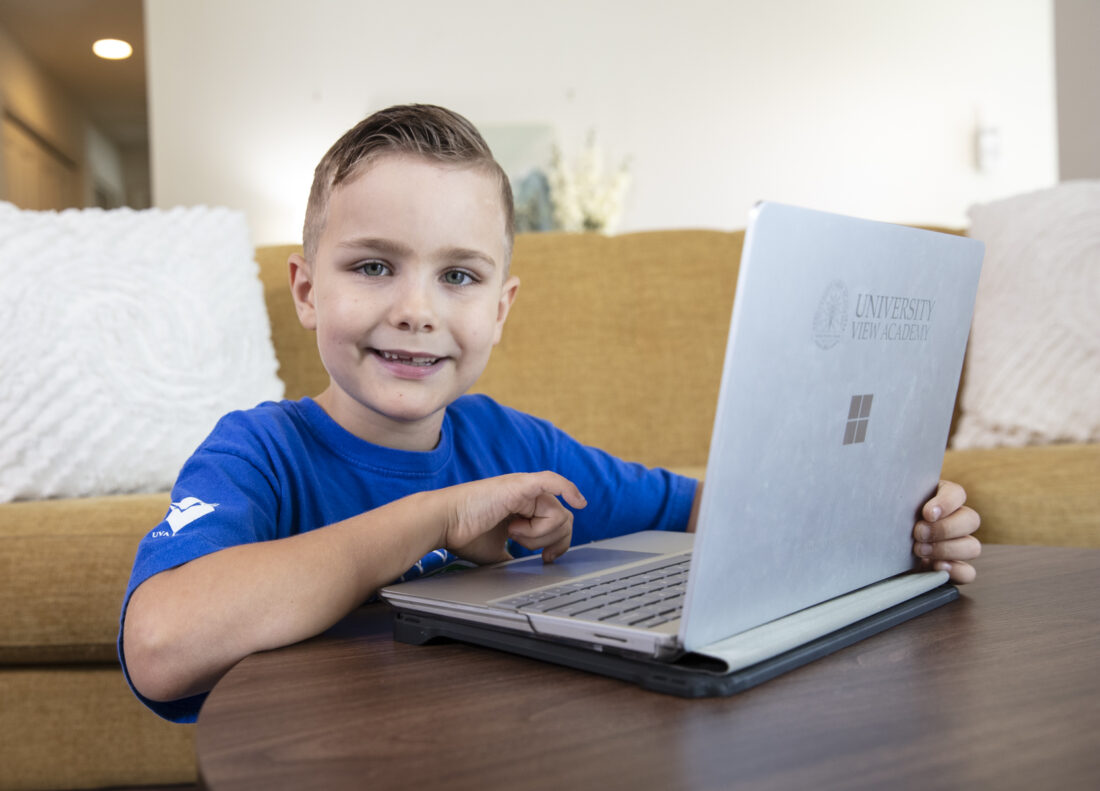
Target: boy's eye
[456,277]
[373,268]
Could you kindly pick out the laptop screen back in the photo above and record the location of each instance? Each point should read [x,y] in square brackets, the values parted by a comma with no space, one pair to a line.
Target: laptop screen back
[843,362]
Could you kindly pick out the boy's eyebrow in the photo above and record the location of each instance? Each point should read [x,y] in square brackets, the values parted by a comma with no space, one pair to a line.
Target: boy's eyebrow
[465,254]
[391,247]
[380,245]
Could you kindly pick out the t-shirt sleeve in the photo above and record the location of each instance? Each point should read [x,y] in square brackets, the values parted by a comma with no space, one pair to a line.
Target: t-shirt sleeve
[623,497]
[222,498]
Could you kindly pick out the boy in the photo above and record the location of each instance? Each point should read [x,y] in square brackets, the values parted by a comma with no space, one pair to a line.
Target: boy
[301,510]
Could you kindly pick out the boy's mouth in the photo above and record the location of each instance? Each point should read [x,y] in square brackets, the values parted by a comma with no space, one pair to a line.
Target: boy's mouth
[406,358]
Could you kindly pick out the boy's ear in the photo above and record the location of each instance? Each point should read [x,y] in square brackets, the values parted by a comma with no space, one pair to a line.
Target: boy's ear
[507,297]
[301,289]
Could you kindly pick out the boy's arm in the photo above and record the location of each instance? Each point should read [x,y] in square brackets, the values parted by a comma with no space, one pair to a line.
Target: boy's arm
[943,538]
[185,627]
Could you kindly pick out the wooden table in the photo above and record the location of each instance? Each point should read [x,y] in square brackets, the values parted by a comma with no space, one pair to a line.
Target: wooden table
[1000,689]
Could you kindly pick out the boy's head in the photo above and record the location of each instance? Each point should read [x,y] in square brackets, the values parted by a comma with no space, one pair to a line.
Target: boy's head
[420,130]
[405,273]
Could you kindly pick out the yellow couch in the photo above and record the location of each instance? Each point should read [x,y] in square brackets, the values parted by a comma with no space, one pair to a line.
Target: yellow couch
[618,340]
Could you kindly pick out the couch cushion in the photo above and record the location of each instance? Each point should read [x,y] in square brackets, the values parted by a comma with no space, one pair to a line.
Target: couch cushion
[64,565]
[609,326]
[126,336]
[296,347]
[1032,495]
[1033,363]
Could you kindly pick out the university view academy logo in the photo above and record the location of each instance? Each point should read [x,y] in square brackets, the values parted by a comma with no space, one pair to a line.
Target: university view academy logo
[830,325]
[875,318]
[831,318]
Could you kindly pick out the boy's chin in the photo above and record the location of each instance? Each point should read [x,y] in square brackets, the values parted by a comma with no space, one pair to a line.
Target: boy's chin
[385,421]
[408,429]
[411,416]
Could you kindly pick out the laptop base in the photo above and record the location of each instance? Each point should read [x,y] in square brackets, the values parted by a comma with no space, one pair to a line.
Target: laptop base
[691,676]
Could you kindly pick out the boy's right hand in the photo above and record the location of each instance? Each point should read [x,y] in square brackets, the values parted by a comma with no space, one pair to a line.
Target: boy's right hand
[484,514]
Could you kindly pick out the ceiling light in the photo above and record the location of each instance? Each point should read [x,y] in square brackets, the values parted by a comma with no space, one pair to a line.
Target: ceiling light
[112,49]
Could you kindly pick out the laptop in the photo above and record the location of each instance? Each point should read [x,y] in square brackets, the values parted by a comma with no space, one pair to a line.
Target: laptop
[843,360]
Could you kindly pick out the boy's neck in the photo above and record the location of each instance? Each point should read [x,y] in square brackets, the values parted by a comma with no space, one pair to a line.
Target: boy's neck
[421,435]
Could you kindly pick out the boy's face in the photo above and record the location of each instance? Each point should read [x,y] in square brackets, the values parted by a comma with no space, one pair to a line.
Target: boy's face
[407,293]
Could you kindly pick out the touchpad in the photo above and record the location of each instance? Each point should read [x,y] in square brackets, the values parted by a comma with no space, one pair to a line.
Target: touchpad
[574,563]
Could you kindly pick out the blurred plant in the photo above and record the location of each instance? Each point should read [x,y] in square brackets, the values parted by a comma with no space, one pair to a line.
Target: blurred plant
[533,209]
[583,196]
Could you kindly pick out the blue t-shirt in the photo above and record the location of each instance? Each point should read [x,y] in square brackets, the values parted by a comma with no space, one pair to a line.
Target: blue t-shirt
[286,468]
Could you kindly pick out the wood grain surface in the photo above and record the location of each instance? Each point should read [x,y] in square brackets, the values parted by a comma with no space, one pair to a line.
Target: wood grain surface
[999,689]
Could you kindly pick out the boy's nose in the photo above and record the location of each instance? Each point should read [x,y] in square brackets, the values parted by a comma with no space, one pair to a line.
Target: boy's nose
[413,310]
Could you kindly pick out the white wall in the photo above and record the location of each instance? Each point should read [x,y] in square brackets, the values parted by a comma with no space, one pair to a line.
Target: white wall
[860,106]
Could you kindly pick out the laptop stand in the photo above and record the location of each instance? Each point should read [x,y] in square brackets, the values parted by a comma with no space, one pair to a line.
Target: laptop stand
[691,676]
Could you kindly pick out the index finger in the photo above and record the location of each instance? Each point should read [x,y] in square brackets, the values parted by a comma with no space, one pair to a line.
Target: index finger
[949,497]
[559,485]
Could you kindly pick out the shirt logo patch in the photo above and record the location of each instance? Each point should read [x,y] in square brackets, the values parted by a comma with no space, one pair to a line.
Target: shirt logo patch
[187,511]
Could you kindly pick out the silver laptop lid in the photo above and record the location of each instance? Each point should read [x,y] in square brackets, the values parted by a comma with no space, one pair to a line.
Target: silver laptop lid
[842,365]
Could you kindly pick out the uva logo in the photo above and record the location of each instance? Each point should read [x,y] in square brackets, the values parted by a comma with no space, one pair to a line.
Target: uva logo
[187,511]
[831,318]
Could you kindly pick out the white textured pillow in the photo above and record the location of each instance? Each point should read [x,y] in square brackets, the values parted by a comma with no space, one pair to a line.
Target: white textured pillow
[124,336]
[1033,364]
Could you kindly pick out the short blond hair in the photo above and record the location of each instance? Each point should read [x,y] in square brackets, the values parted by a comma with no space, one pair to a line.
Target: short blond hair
[423,130]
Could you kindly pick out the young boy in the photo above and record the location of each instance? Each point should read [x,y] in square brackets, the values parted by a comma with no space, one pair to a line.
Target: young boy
[299,511]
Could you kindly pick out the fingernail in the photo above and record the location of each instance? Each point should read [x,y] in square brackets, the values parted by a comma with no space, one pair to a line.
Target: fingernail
[943,565]
[936,512]
[924,532]
[924,550]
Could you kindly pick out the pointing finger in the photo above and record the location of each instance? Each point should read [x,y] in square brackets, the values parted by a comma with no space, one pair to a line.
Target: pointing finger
[560,486]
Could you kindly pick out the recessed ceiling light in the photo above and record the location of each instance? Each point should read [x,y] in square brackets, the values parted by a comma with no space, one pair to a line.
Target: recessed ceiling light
[112,49]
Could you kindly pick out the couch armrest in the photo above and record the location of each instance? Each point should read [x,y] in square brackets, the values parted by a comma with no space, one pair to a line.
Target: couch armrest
[1032,495]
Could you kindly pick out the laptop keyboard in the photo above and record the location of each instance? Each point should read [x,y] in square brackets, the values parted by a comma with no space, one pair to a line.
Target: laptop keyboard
[645,596]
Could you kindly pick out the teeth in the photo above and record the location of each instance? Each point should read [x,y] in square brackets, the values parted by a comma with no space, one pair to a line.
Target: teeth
[422,361]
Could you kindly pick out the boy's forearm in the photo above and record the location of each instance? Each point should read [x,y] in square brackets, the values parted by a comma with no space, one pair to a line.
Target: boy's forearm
[187,626]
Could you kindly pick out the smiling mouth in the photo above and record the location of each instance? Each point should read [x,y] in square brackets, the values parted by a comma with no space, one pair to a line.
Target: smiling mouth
[418,361]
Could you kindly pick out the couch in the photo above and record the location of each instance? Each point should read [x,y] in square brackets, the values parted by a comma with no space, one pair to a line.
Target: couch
[618,340]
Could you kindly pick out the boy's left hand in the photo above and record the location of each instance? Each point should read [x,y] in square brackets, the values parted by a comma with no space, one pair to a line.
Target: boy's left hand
[942,538]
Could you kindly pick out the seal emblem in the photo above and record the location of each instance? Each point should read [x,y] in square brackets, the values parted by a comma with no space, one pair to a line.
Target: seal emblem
[831,318]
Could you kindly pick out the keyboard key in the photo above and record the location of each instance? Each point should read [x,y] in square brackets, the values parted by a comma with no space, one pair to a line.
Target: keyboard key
[647,595]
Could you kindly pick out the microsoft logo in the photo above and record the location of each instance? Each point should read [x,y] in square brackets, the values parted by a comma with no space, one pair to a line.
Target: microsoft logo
[859,414]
